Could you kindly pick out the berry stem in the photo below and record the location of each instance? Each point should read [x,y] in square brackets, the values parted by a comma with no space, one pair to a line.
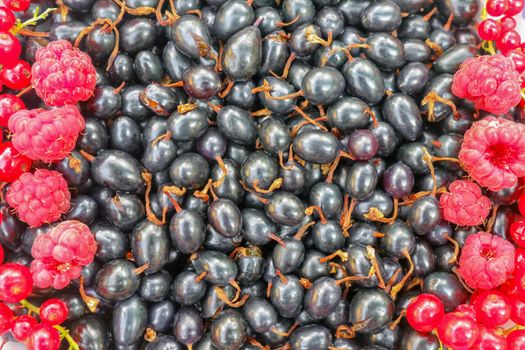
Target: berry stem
[32,21]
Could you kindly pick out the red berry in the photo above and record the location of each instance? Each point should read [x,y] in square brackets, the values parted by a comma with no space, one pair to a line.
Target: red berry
[519,259]
[18,5]
[518,57]
[44,337]
[510,287]
[53,311]
[488,340]
[464,204]
[6,318]
[1,254]
[16,282]
[521,204]
[507,23]
[467,310]
[10,48]
[7,18]
[497,8]
[492,308]
[519,277]
[509,40]
[458,331]
[46,135]
[9,104]
[517,306]
[12,163]
[489,29]
[514,7]
[62,74]
[425,312]
[16,76]
[517,232]
[39,197]
[516,340]
[22,327]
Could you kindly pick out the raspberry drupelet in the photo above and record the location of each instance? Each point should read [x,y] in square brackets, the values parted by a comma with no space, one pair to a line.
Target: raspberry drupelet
[46,135]
[60,254]
[464,204]
[62,74]
[40,197]
[491,82]
[493,152]
[486,260]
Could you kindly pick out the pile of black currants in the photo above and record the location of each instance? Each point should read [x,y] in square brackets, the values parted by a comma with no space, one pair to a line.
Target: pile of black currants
[262,174]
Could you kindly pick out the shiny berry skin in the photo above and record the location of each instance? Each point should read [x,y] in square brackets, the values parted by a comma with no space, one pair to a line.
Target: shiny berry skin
[16,282]
[6,318]
[9,104]
[18,5]
[467,310]
[425,312]
[488,340]
[43,337]
[492,308]
[458,331]
[516,340]
[53,311]
[519,259]
[514,7]
[12,163]
[1,254]
[517,232]
[10,48]
[521,204]
[22,327]
[7,18]
[509,40]
[507,23]
[518,57]
[16,76]
[497,8]
[519,277]
[489,29]
[517,306]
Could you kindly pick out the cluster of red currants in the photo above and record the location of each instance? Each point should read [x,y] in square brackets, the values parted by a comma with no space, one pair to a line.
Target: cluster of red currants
[39,328]
[503,30]
[474,326]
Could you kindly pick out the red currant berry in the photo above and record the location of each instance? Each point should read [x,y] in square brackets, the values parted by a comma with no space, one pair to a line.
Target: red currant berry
[517,307]
[10,48]
[514,7]
[7,18]
[425,312]
[517,232]
[497,8]
[18,5]
[16,282]
[518,57]
[9,104]
[510,287]
[507,23]
[489,29]
[458,331]
[519,258]
[492,308]
[53,311]
[467,310]
[44,337]
[16,76]
[516,340]
[508,41]
[6,318]
[12,163]
[22,326]
[1,254]
[488,340]
[521,204]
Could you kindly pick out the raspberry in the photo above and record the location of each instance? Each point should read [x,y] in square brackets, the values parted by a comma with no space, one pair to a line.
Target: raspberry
[464,205]
[491,82]
[486,260]
[39,197]
[60,254]
[63,74]
[46,135]
[493,152]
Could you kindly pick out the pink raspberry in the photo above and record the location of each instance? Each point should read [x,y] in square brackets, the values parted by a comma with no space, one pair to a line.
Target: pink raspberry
[40,197]
[46,135]
[491,82]
[464,204]
[486,260]
[62,74]
[60,253]
[493,152]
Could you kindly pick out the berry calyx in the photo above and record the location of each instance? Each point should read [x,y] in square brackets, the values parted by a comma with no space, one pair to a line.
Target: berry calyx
[425,313]
[53,311]
[7,18]
[43,337]
[16,282]
[12,163]
[9,104]
[517,232]
[492,308]
[458,331]
[489,29]
[10,48]
[22,327]
[6,318]
[16,76]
